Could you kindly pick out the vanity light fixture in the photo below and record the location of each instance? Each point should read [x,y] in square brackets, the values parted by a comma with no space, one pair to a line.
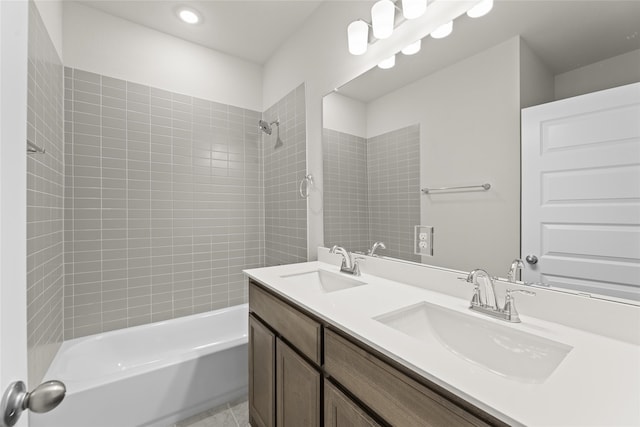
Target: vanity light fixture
[383,20]
[442,31]
[480,9]
[413,48]
[383,15]
[412,9]
[390,62]
[358,37]
[189,16]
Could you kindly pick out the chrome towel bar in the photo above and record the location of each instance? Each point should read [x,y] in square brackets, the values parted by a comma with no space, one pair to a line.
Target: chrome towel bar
[484,187]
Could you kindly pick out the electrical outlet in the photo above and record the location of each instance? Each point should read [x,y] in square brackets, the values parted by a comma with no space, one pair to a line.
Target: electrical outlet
[423,240]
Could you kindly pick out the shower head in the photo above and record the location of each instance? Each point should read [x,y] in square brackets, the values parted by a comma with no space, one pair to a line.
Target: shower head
[265,126]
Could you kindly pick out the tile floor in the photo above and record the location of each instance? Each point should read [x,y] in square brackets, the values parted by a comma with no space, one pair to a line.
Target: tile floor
[234,414]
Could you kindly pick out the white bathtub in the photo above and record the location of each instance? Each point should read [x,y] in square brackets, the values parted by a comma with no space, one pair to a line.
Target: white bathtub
[151,375]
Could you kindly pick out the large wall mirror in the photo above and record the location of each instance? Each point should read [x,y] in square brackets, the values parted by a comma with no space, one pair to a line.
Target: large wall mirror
[450,116]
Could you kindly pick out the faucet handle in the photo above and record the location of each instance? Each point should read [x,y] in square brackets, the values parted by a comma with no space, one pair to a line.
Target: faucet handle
[510,304]
[522,291]
[475,299]
[356,264]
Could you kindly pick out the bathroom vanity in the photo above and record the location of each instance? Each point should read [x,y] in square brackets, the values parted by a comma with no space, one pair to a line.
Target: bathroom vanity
[327,348]
[287,390]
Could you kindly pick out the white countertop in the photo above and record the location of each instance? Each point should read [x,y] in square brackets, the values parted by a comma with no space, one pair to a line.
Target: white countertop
[597,383]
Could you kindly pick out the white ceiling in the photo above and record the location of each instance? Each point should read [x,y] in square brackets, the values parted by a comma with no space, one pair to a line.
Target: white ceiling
[249,29]
[565,34]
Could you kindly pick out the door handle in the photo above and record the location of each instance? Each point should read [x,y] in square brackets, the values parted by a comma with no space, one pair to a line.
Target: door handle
[43,398]
[531,259]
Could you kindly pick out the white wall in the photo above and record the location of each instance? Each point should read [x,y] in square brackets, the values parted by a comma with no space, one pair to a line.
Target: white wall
[51,14]
[14,24]
[536,81]
[97,42]
[344,114]
[317,55]
[616,71]
[469,116]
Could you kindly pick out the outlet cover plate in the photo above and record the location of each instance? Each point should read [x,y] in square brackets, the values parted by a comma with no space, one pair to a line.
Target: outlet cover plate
[423,240]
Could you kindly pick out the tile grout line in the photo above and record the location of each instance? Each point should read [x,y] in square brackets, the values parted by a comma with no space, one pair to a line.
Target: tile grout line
[232,414]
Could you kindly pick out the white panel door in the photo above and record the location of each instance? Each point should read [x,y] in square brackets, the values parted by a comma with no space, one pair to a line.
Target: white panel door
[581,192]
[13,194]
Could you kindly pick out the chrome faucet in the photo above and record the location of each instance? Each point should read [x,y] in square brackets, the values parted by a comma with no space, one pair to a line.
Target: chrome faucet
[516,265]
[484,298]
[486,293]
[376,245]
[348,265]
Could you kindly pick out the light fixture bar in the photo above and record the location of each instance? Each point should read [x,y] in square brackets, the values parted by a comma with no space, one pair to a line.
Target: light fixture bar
[384,20]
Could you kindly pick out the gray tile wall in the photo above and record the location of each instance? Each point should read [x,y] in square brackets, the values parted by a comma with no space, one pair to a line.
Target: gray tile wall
[163,204]
[346,200]
[393,166]
[45,190]
[284,167]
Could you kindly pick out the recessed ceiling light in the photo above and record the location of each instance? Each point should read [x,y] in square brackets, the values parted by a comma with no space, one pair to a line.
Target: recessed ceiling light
[189,16]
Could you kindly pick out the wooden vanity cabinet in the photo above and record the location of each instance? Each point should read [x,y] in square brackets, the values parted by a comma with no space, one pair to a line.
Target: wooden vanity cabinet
[285,381]
[306,373]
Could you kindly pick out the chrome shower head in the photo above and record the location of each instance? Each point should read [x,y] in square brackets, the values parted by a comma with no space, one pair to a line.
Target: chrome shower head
[265,126]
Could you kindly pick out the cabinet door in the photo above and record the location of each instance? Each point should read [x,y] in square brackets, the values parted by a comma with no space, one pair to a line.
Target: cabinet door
[262,345]
[340,411]
[298,389]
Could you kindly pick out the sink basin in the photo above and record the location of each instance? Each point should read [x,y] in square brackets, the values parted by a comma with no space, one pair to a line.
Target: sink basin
[502,349]
[323,280]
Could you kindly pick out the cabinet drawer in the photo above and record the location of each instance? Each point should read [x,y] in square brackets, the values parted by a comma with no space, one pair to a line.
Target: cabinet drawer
[398,399]
[299,329]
